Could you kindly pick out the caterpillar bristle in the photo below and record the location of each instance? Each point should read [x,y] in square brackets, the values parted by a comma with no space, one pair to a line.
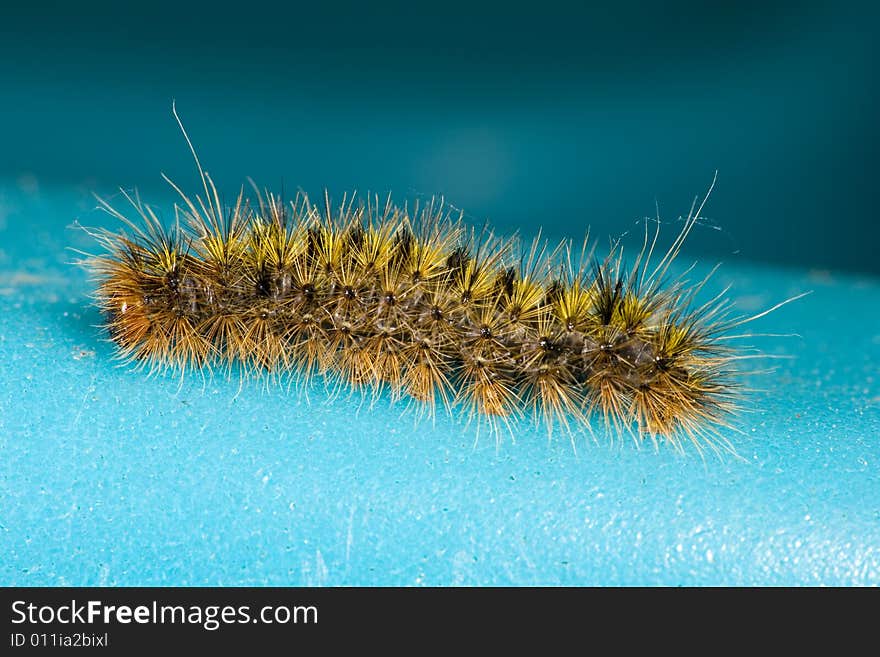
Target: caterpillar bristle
[374,296]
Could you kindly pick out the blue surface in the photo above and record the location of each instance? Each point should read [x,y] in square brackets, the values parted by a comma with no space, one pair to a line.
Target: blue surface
[110,477]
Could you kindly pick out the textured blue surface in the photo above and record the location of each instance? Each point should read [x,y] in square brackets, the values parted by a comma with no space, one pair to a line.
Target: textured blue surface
[110,477]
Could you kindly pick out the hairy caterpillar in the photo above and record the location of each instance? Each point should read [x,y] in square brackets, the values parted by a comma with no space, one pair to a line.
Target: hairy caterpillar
[380,296]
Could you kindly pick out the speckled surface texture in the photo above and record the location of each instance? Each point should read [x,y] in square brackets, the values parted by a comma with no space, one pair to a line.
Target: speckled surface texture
[110,477]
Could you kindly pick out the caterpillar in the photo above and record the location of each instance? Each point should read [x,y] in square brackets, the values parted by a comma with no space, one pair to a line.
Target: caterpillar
[379,296]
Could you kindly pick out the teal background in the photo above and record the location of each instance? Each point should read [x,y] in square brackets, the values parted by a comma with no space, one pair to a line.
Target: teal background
[555,117]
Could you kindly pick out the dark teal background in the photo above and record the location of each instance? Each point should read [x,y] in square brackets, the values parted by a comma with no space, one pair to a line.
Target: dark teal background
[538,115]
